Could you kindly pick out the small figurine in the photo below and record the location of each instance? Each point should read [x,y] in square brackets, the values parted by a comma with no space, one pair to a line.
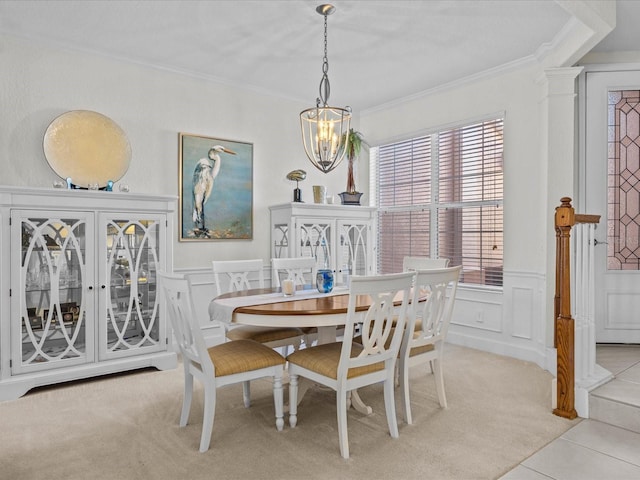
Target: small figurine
[297,176]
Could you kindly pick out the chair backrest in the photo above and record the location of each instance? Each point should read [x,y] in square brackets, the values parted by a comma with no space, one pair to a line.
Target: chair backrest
[176,290]
[237,273]
[423,263]
[302,270]
[440,287]
[380,337]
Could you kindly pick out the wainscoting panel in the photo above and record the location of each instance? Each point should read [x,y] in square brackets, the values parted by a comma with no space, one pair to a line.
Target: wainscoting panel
[522,317]
[478,309]
[508,321]
[618,305]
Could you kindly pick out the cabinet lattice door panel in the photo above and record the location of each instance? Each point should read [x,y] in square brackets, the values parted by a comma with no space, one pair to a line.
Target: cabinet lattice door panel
[51,270]
[353,247]
[315,241]
[132,255]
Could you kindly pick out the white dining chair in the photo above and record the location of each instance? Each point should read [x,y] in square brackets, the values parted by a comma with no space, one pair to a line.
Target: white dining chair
[237,275]
[238,361]
[410,263]
[345,366]
[426,329]
[423,263]
[302,271]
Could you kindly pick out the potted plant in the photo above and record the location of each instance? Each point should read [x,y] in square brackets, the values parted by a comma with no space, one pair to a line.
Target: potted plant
[354,144]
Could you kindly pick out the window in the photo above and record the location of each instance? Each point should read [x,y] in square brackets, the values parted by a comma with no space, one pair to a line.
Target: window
[440,195]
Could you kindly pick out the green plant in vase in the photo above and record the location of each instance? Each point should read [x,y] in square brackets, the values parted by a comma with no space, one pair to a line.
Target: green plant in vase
[354,145]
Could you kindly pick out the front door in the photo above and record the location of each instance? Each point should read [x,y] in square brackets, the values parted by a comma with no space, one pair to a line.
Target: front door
[612,190]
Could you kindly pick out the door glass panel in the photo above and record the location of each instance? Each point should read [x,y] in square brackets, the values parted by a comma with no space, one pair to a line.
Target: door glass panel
[623,187]
[132,307]
[53,308]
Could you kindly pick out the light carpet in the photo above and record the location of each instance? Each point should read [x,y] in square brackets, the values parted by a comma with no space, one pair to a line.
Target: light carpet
[126,427]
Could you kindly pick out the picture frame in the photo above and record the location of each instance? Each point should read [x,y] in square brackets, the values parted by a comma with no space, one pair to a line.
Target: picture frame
[215,189]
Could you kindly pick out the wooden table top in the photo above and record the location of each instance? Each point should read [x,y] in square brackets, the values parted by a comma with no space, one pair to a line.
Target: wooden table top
[330,305]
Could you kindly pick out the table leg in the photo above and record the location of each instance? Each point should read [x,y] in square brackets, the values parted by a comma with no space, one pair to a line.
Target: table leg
[326,335]
[357,403]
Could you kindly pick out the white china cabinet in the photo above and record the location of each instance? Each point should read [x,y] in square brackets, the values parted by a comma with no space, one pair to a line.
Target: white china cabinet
[78,285]
[339,237]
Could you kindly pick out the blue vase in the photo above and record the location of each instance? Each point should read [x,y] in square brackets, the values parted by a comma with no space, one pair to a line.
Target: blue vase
[324,281]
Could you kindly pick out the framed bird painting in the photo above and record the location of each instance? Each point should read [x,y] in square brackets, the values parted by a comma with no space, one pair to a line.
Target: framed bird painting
[215,189]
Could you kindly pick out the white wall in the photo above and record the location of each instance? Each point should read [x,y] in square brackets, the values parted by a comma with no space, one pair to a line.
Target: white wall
[511,321]
[40,82]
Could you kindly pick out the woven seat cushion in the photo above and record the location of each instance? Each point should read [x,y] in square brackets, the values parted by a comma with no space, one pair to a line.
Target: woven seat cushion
[324,360]
[422,349]
[263,334]
[242,356]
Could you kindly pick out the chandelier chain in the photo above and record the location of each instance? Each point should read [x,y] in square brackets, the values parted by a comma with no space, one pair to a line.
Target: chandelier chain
[325,87]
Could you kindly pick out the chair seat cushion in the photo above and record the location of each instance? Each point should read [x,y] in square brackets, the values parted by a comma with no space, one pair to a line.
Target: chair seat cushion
[242,356]
[263,334]
[422,349]
[324,360]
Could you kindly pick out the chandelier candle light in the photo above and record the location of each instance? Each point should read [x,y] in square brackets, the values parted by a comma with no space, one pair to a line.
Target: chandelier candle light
[325,128]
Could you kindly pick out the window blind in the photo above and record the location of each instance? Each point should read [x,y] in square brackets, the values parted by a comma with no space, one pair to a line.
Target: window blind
[441,195]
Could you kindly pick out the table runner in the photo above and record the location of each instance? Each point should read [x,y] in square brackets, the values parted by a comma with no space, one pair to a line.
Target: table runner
[221,310]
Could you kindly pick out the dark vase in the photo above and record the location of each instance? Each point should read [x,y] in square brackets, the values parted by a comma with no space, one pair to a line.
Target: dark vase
[350,198]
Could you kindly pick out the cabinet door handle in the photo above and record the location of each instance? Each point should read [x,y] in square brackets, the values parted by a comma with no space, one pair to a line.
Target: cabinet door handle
[90,287]
[103,287]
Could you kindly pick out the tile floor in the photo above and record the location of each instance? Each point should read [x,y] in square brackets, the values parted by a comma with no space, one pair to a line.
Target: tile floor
[592,449]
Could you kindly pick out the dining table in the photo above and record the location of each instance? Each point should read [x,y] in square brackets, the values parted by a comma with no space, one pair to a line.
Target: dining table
[307,307]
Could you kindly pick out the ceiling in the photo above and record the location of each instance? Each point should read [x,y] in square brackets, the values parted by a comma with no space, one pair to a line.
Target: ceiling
[378,51]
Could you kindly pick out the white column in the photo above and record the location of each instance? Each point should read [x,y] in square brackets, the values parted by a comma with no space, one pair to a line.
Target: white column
[559,152]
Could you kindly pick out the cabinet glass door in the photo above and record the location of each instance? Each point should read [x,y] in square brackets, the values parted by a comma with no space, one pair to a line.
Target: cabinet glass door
[129,316]
[315,241]
[50,326]
[353,245]
[280,238]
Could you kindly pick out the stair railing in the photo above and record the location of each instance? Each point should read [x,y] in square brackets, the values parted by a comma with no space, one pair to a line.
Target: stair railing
[568,355]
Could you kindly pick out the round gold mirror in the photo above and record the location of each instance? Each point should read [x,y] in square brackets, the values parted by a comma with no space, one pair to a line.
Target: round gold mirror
[87,147]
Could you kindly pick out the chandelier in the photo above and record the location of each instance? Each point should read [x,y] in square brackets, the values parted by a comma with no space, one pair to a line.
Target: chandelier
[325,129]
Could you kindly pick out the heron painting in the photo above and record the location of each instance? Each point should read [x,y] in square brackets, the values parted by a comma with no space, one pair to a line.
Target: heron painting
[216,188]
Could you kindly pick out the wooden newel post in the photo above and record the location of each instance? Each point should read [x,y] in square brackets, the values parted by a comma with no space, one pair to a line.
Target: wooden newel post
[564,324]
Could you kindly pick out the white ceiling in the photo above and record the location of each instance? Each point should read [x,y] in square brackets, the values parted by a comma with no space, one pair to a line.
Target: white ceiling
[378,51]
